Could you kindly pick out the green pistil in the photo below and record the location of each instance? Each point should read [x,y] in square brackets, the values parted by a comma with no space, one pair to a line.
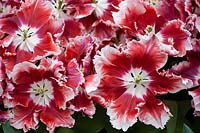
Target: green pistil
[1,10]
[25,33]
[41,90]
[138,79]
[82,70]
[60,3]
[153,2]
[94,1]
[149,28]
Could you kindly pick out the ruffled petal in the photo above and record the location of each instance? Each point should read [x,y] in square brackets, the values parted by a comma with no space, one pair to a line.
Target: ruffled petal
[75,76]
[147,56]
[29,14]
[28,74]
[82,102]
[196,100]
[174,34]
[53,117]
[154,112]
[25,118]
[134,17]
[124,111]
[160,83]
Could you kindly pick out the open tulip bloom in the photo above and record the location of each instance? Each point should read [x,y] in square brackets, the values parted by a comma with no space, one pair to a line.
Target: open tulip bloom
[62,58]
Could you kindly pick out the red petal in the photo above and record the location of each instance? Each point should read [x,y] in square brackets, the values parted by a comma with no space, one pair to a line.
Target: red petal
[196,100]
[91,83]
[53,117]
[75,76]
[104,31]
[9,25]
[198,3]
[26,73]
[134,17]
[181,6]
[109,61]
[45,48]
[84,10]
[20,96]
[148,56]
[154,112]
[197,24]
[163,8]
[54,26]
[74,30]
[5,115]
[124,111]
[2,70]
[25,117]
[34,13]
[82,102]
[174,34]
[160,83]
[62,94]
[78,48]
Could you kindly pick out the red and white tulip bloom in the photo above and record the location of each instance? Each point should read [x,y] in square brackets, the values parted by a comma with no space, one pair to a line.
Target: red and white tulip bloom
[40,94]
[30,32]
[130,81]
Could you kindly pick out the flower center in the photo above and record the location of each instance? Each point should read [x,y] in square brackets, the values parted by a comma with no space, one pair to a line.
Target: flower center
[136,82]
[149,28]
[60,4]
[26,38]
[138,79]
[25,33]
[42,92]
[153,2]
[94,1]
[1,10]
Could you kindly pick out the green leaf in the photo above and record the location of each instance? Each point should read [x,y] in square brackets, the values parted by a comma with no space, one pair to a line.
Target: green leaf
[91,125]
[42,128]
[187,129]
[140,127]
[178,110]
[8,129]
[64,130]
[171,124]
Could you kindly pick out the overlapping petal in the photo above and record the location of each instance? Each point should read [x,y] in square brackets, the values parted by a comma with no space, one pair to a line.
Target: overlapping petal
[60,56]
[37,88]
[134,17]
[174,34]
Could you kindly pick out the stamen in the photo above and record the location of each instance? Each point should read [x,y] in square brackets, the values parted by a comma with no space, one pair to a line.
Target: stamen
[143,85]
[135,85]
[140,73]
[132,75]
[43,85]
